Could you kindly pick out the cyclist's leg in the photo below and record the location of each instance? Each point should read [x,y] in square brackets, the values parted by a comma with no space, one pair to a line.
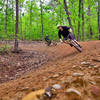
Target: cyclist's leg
[65,40]
[71,37]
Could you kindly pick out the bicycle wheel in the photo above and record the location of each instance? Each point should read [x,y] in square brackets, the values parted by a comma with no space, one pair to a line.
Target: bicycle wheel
[76,46]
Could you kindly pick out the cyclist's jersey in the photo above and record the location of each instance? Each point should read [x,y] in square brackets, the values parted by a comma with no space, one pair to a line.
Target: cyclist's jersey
[64,33]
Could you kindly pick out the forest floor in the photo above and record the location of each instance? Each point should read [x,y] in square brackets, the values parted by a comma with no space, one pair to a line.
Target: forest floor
[38,66]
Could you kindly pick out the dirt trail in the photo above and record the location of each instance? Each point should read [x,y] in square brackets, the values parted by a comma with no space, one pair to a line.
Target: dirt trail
[63,61]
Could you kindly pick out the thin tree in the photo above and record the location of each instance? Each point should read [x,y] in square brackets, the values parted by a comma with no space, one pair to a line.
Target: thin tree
[90,27]
[83,38]
[78,37]
[41,17]
[67,13]
[16,40]
[99,18]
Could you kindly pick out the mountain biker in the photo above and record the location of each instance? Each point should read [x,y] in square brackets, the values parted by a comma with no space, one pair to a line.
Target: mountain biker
[66,32]
[47,39]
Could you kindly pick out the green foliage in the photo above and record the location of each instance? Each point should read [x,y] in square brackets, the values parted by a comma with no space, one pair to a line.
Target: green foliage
[4,49]
[53,14]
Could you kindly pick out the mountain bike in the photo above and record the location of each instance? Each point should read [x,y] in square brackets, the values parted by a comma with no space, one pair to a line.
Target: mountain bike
[74,43]
[49,42]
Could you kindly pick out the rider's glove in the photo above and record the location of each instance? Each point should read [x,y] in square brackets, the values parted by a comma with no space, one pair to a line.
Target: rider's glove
[61,40]
[70,30]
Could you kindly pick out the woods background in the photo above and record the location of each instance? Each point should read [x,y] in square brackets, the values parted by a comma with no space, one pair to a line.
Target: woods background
[39,17]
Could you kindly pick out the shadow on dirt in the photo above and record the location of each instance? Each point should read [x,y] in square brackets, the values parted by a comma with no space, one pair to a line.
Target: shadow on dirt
[68,55]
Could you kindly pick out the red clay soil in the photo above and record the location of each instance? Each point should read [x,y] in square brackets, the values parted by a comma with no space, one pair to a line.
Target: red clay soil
[63,62]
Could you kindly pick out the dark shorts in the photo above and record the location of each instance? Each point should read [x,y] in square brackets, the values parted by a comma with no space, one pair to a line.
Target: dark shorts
[70,36]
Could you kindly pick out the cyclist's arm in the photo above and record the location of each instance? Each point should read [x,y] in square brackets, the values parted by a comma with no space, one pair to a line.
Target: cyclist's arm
[59,35]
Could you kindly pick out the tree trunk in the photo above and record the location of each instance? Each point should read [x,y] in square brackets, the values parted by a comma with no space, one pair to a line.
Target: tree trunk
[78,37]
[83,38]
[90,28]
[41,18]
[16,40]
[67,13]
[99,18]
